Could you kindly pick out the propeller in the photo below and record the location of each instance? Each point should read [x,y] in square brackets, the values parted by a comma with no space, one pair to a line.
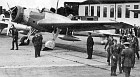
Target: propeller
[10,24]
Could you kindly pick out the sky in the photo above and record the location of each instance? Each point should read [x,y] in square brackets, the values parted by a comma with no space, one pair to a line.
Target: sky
[35,3]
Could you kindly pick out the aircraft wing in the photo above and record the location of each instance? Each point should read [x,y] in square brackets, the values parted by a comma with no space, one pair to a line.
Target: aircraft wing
[94,34]
[83,25]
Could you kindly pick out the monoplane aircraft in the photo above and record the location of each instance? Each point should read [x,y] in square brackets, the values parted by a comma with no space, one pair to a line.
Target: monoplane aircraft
[47,21]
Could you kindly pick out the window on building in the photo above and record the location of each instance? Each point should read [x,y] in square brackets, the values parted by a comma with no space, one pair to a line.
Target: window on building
[112,11]
[92,10]
[136,14]
[119,11]
[98,11]
[86,10]
[127,12]
[105,11]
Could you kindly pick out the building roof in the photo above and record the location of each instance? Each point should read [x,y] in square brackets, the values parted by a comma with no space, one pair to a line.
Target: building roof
[108,1]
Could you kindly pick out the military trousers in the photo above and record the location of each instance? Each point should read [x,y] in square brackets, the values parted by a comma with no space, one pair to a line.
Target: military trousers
[14,41]
[89,51]
[137,53]
[127,71]
[108,55]
[119,63]
[113,69]
[133,61]
[37,50]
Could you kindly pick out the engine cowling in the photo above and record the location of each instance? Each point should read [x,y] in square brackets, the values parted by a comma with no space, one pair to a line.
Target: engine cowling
[17,14]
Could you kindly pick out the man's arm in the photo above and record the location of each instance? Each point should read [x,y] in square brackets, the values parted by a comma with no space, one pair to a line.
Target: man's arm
[137,43]
[111,50]
[122,56]
[106,44]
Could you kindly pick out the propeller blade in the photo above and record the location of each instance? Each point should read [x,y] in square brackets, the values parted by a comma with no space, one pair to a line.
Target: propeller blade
[10,23]
[8,5]
[10,11]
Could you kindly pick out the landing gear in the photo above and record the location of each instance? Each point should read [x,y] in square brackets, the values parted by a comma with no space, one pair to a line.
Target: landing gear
[24,41]
[51,43]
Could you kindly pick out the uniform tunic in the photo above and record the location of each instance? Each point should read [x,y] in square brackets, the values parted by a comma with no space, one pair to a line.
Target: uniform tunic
[15,38]
[90,44]
[109,43]
[37,41]
[127,60]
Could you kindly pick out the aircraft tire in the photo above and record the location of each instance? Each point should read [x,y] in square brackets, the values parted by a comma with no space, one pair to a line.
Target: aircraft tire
[23,41]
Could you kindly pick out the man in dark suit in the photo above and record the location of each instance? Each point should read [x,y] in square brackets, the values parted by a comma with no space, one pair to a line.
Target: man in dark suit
[127,59]
[90,44]
[15,38]
[37,42]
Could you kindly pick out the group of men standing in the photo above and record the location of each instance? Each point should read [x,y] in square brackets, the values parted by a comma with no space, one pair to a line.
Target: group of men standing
[122,54]
[37,41]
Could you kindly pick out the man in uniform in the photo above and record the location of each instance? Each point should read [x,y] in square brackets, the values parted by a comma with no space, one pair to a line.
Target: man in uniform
[15,38]
[37,41]
[127,58]
[136,42]
[109,43]
[135,47]
[120,48]
[114,50]
[90,44]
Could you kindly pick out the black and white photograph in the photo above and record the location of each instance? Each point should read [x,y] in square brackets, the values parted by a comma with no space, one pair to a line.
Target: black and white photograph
[69,38]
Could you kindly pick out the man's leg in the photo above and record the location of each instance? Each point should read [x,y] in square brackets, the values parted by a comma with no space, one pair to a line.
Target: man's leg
[39,49]
[120,67]
[111,70]
[88,52]
[35,51]
[129,70]
[133,62]
[12,45]
[115,67]
[126,71]
[16,44]
[108,56]
[137,53]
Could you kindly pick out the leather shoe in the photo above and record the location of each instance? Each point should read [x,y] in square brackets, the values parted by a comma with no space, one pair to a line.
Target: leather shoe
[114,75]
[12,49]
[88,58]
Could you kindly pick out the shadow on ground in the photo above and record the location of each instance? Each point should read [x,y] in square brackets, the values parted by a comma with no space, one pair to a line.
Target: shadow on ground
[80,49]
